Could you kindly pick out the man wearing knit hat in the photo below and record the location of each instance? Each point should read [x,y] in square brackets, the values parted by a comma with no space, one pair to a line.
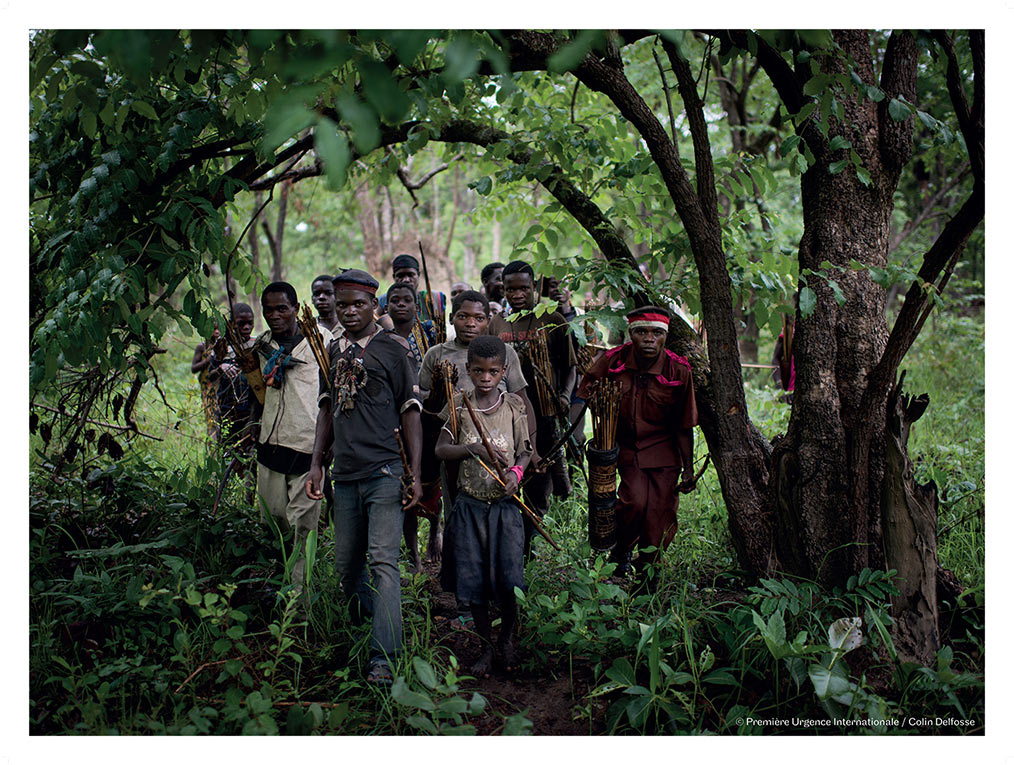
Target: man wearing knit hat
[372,390]
[405,269]
[654,432]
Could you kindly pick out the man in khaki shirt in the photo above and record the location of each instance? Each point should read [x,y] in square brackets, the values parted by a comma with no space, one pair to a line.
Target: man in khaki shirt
[285,445]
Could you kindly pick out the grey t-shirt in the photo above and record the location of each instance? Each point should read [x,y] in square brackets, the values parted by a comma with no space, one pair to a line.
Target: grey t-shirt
[364,438]
[457,353]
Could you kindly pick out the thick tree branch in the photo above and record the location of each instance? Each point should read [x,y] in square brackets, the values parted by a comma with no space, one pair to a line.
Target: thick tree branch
[928,209]
[898,79]
[789,88]
[412,186]
[970,120]
[668,99]
[694,108]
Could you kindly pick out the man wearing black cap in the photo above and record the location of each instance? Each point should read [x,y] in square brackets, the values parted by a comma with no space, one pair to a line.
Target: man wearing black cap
[405,268]
[371,390]
[654,432]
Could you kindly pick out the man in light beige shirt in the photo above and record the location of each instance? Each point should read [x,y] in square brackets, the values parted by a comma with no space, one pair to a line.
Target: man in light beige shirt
[285,445]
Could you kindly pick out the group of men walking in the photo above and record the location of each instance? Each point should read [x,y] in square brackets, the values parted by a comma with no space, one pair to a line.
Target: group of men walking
[412,416]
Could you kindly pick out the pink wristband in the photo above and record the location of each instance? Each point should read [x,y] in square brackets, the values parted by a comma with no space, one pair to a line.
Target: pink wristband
[517,471]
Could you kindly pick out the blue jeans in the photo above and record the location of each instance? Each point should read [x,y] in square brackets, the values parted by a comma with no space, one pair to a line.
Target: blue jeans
[368,521]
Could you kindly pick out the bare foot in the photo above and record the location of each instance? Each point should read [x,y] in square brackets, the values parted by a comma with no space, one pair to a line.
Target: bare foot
[508,655]
[435,549]
[484,663]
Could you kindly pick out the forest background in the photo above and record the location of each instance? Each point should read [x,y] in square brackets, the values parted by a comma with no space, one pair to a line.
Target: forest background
[309,203]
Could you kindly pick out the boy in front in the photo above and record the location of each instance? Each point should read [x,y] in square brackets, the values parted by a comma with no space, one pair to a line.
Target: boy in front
[488,533]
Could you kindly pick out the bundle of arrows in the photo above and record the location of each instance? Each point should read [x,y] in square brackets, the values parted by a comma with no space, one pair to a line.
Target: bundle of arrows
[446,373]
[248,362]
[605,410]
[308,326]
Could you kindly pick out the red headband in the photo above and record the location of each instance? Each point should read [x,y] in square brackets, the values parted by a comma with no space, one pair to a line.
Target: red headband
[656,320]
[661,317]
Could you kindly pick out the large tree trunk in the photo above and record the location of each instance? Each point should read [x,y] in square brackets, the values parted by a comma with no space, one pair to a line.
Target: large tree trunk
[828,493]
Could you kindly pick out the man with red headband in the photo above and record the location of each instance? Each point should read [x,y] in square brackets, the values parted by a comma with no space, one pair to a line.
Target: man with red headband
[654,434]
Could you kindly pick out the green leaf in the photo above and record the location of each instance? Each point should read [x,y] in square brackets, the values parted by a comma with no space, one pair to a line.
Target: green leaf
[533,231]
[622,673]
[333,150]
[518,725]
[89,126]
[571,54]
[899,111]
[461,57]
[805,112]
[477,704]
[836,167]
[875,94]
[88,69]
[144,109]
[926,119]
[422,723]
[483,186]
[424,672]
[363,121]
[839,296]
[839,142]
[401,693]
[284,119]
[807,302]
[816,84]
[830,683]
[863,176]
[637,709]
[788,145]
[797,670]
[679,39]
[382,92]
[41,69]
[816,38]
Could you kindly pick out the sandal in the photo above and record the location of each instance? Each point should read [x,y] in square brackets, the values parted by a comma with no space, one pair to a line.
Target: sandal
[380,675]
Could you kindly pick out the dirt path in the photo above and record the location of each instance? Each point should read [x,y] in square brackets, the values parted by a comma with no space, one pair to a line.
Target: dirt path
[550,698]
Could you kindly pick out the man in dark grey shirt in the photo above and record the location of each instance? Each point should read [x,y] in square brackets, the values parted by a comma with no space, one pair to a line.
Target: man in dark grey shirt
[371,391]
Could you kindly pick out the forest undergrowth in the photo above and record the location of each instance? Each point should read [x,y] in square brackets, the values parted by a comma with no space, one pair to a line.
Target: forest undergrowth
[149,613]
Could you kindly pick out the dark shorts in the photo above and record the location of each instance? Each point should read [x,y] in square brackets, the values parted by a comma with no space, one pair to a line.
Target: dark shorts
[487,541]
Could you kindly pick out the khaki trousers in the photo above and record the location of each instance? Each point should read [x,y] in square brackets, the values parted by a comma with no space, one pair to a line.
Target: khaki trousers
[284,497]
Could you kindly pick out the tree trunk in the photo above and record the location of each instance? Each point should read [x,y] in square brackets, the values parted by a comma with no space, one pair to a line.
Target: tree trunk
[255,259]
[828,492]
[277,271]
[494,256]
[910,536]
[455,203]
[369,226]
[387,223]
